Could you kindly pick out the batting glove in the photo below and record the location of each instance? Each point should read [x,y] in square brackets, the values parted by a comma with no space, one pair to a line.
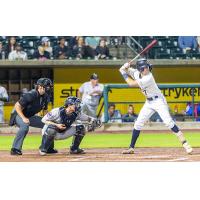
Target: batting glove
[126,65]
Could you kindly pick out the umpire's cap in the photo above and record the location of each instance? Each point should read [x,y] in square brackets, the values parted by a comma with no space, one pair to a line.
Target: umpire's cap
[143,63]
[94,76]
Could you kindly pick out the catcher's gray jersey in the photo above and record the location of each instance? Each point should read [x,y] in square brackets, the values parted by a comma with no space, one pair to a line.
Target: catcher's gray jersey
[54,116]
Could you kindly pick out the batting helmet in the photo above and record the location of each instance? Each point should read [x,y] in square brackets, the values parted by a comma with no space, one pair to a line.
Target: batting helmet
[94,76]
[71,100]
[142,63]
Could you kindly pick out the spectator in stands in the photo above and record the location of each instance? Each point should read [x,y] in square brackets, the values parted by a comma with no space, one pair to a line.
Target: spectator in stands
[176,115]
[193,110]
[189,109]
[186,43]
[2,51]
[72,41]
[102,51]
[117,40]
[198,43]
[79,50]
[91,44]
[17,54]
[198,109]
[113,115]
[61,51]
[3,98]
[44,50]
[131,116]
[197,112]
[10,46]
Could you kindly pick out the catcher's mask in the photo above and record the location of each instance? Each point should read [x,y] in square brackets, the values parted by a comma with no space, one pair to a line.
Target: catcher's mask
[71,100]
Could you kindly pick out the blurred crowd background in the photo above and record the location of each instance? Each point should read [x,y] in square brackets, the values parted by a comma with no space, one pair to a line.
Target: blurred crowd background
[97,47]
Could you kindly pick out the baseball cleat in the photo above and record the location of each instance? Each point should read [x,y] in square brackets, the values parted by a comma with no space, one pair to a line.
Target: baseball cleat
[52,151]
[188,148]
[77,151]
[128,151]
[42,153]
[15,152]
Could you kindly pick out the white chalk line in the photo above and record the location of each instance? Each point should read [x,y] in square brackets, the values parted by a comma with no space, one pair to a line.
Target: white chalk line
[81,158]
[143,158]
[155,158]
[177,159]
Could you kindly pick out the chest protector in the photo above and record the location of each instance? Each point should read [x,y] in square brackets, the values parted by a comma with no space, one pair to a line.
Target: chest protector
[67,119]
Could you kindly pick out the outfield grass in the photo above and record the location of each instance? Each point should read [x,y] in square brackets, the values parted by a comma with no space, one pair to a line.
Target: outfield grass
[107,140]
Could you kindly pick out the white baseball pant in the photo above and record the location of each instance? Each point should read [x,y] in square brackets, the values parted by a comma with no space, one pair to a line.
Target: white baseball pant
[150,107]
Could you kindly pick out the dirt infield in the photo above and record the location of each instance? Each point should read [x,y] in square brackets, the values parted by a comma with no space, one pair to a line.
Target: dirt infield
[107,155]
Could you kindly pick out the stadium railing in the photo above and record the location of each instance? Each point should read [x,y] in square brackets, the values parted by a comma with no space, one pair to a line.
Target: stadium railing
[108,87]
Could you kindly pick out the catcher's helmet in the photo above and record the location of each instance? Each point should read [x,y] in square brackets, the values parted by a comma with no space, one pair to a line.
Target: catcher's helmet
[71,100]
[143,63]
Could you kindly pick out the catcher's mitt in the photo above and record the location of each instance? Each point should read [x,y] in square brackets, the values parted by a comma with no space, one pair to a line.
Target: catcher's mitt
[96,123]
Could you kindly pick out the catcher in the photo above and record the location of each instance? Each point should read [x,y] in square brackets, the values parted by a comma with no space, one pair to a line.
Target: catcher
[64,122]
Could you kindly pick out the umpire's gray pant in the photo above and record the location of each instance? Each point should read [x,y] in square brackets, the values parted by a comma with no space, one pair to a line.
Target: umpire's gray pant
[35,121]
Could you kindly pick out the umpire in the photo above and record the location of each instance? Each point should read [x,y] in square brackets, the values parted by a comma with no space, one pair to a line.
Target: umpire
[24,112]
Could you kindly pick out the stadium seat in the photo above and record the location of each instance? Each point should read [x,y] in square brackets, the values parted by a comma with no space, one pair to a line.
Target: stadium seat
[165,56]
[195,55]
[31,43]
[24,43]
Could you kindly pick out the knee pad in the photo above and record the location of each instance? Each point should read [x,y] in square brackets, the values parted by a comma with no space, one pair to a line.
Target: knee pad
[51,131]
[80,129]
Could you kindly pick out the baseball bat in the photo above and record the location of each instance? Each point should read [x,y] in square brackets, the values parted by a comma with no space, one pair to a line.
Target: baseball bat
[149,46]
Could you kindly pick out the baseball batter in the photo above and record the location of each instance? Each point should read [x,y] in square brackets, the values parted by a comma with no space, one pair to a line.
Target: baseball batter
[155,101]
[64,122]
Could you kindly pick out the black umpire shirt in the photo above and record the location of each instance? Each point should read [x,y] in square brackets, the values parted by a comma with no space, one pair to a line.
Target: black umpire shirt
[32,103]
